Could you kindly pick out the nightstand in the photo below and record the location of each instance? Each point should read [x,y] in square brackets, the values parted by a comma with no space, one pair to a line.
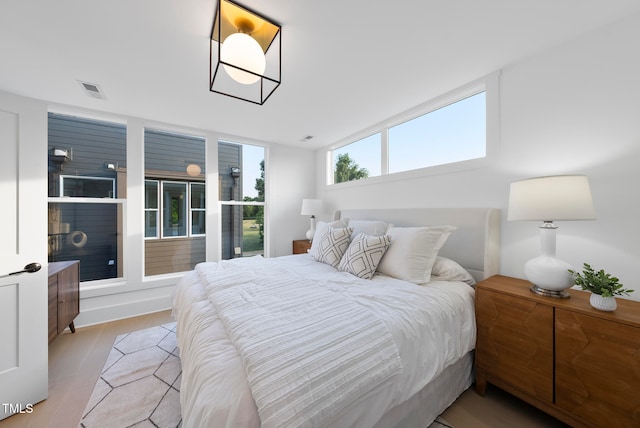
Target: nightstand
[301,246]
[570,360]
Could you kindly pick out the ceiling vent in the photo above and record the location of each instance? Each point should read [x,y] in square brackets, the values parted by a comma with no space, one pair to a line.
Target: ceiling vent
[93,90]
[307,138]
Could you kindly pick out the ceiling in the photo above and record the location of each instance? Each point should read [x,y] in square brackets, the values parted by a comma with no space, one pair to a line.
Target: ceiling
[346,65]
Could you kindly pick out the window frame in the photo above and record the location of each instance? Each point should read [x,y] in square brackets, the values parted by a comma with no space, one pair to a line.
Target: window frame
[192,210]
[160,211]
[264,204]
[67,178]
[489,84]
[156,209]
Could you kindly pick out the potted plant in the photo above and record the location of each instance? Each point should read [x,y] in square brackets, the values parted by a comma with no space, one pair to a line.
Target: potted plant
[603,287]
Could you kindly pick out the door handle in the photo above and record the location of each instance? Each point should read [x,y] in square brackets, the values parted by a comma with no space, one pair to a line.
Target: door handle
[30,268]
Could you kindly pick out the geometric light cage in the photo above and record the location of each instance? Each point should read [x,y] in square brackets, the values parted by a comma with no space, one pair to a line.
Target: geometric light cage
[232,18]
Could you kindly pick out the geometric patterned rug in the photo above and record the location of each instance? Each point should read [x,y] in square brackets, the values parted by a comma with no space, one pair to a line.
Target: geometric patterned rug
[140,383]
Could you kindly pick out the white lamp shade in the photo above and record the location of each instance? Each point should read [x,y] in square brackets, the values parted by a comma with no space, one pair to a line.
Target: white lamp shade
[311,207]
[243,51]
[560,197]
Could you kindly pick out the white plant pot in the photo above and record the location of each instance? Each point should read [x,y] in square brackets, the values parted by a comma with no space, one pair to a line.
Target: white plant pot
[603,303]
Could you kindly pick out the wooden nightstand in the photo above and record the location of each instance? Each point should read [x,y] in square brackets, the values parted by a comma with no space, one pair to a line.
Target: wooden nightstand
[574,362]
[301,246]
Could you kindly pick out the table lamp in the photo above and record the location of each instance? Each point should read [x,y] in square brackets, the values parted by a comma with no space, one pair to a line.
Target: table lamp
[311,207]
[549,199]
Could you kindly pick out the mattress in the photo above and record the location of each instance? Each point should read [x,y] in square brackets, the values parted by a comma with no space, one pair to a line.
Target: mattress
[432,328]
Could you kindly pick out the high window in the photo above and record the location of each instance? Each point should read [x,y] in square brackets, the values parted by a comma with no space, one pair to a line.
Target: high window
[453,133]
[456,128]
[174,201]
[360,159]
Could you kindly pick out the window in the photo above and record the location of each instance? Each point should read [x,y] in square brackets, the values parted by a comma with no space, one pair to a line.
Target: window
[174,209]
[458,128]
[453,133]
[197,209]
[87,171]
[151,213]
[88,187]
[241,180]
[357,160]
[174,202]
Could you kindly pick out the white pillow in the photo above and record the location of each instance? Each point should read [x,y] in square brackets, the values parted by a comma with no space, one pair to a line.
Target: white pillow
[364,254]
[321,228]
[413,251]
[445,269]
[368,227]
[332,245]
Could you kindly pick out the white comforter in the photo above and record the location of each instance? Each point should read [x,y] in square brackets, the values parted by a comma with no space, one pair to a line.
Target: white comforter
[431,326]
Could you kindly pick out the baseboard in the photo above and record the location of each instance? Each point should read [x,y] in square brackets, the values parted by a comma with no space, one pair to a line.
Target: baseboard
[98,310]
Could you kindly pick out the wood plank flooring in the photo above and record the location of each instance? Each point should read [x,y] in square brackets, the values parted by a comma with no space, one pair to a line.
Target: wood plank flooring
[75,361]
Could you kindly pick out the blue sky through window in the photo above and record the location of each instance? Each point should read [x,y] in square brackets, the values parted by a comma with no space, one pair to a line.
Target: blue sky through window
[452,133]
[365,152]
[251,158]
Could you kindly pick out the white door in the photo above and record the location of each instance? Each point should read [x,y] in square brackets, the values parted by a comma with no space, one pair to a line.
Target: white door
[23,213]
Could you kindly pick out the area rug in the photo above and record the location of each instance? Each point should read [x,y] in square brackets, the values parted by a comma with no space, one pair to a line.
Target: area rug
[140,383]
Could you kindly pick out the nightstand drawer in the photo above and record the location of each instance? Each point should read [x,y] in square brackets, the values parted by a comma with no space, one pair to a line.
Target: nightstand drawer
[515,342]
[598,369]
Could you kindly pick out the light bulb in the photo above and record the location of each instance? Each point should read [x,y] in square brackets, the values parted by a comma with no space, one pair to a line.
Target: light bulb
[243,51]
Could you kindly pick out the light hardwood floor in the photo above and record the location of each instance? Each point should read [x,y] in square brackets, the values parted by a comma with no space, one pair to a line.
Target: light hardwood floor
[75,361]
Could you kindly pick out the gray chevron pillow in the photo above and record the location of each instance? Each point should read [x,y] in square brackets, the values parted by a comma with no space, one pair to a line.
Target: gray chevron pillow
[332,245]
[363,255]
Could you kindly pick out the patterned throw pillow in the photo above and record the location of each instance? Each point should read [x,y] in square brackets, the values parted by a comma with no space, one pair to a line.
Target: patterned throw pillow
[363,255]
[321,229]
[332,245]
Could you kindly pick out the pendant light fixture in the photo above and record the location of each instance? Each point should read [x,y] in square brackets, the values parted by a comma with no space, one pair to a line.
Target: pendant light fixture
[248,47]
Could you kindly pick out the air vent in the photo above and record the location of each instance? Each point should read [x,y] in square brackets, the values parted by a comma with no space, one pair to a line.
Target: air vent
[307,138]
[93,90]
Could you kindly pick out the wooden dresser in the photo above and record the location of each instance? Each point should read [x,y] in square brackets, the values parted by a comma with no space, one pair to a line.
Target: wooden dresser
[64,296]
[579,364]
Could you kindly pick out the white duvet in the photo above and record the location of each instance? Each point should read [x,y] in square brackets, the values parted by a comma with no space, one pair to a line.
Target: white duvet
[230,376]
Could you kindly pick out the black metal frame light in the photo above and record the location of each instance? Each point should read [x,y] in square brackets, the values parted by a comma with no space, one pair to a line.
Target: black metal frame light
[231,18]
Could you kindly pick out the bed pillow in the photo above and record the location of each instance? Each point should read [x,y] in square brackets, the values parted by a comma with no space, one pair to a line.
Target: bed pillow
[413,251]
[445,269]
[321,228]
[364,254]
[368,227]
[332,245]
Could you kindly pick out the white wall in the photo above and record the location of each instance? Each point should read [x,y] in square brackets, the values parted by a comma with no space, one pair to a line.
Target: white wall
[571,109]
[290,179]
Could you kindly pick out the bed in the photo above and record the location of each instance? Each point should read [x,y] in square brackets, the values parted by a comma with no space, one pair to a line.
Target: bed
[321,339]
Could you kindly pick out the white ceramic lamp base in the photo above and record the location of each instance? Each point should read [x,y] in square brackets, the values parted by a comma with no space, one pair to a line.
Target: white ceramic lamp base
[549,275]
[312,229]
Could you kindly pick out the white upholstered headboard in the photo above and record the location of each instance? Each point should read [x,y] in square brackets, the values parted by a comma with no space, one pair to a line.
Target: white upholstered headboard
[475,244]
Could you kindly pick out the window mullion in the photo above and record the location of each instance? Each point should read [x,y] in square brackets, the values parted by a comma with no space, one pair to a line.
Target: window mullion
[384,151]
